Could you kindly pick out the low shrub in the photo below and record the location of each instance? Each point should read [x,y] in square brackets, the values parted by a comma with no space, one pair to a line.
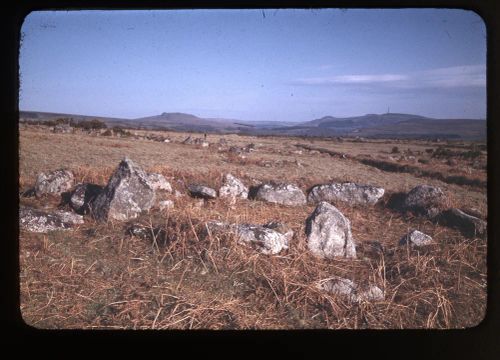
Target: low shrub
[93,124]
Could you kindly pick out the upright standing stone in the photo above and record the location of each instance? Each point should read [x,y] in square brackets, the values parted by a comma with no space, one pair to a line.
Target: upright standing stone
[329,233]
[128,192]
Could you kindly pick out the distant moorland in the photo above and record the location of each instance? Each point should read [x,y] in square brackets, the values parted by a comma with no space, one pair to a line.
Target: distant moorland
[389,125]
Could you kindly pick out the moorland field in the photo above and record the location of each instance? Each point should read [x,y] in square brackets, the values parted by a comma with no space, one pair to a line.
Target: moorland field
[97,275]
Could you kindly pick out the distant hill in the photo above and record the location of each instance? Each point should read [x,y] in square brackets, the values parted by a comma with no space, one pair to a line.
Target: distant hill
[429,128]
[187,122]
[364,121]
[390,125]
[43,116]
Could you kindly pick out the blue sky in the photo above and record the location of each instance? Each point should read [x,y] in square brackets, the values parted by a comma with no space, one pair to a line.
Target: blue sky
[281,65]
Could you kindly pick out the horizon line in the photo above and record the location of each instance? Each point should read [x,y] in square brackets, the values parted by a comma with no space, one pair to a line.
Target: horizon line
[224,118]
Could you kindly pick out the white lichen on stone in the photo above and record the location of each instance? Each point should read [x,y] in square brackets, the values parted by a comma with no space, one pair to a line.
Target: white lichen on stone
[54,182]
[285,194]
[128,192]
[233,188]
[349,290]
[416,238]
[350,193]
[329,233]
[264,239]
[42,221]
[158,182]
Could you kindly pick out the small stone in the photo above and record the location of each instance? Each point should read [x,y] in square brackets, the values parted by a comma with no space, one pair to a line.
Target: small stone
[373,293]
[235,150]
[233,188]
[166,204]
[216,226]
[264,240]
[63,129]
[39,221]
[469,225]
[201,191]
[281,228]
[55,182]
[425,200]
[158,182]
[416,238]
[250,147]
[156,234]
[285,194]
[339,286]
[350,290]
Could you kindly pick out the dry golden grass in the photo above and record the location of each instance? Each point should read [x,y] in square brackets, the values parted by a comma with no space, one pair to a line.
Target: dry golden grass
[98,276]
[43,151]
